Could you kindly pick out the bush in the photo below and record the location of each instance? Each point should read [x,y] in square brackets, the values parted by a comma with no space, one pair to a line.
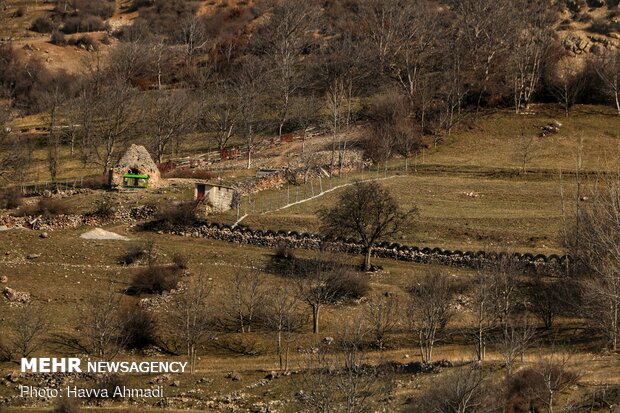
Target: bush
[155,280]
[20,12]
[58,38]
[48,207]
[96,182]
[81,24]
[182,214]
[138,328]
[348,286]
[284,252]
[104,208]
[43,24]
[180,261]
[85,41]
[11,198]
[191,173]
[137,253]
[66,405]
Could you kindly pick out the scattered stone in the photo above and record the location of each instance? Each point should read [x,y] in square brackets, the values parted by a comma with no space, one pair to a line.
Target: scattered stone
[234,376]
[175,383]
[33,256]
[4,279]
[14,296]
[328,340]
[44,235]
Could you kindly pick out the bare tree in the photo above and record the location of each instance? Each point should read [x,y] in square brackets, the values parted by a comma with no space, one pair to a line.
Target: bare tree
[466,389]
[368,211]
[608,69]
[526,149]
[101,325]
[285,37]
[167,119]
[382,316]
[219,111]
[566,83]
[314,285]
[530,46]
[243,294]
[281,314]
[27,330]
[108,117]
[250,96]
[189,317]
[598,251]
[429,311]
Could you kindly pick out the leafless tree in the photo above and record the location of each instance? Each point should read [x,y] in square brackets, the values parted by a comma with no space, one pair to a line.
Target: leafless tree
[531,43]
[305,110]
[282,314]
[382,313]
[598,251]
[566,83]
[219,111]
[526,149]
[189,319]
[314,285]
[194,37]
[108,116]
[27,330]
[244,292]
[366,210]
[466,389]
[14,152]
[249,87]
[101,325]
[429,311]
[167,118]
[286,35]
[608,69]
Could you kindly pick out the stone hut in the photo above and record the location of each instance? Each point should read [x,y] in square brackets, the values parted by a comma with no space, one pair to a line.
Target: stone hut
[214,197]
[135,169]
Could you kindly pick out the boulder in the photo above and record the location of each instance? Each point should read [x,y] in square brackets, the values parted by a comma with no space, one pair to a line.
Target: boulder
[14,296]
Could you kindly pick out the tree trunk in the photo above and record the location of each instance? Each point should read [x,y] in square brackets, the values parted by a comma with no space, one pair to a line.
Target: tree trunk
[315,318]
[367,258]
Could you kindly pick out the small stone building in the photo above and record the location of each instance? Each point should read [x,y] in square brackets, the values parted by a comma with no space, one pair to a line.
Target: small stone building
[135,169]
[216,198]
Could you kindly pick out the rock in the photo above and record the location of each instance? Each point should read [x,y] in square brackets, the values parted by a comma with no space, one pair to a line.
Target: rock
[32,256]
[234,376]
[44,235]
[328,340]
[175,383]
[14,296]
[4,279]
[271,375]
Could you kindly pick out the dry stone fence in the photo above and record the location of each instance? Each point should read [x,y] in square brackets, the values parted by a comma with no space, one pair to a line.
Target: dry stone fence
[293,239]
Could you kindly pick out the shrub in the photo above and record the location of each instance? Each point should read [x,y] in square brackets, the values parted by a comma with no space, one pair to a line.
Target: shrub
[530,387]
[182,214]
[137,253]
[20,12]
[104,208]
[284,252]
[58,38]
[138,328]
[96,182]
[155,280]
[192,173]
[180,261]
[66,405]
[48,207]
[11,198]
[348,286]
[81,24]
[86,41]
[43,24]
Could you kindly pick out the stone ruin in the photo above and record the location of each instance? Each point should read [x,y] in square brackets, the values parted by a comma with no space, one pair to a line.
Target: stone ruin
[135,169]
